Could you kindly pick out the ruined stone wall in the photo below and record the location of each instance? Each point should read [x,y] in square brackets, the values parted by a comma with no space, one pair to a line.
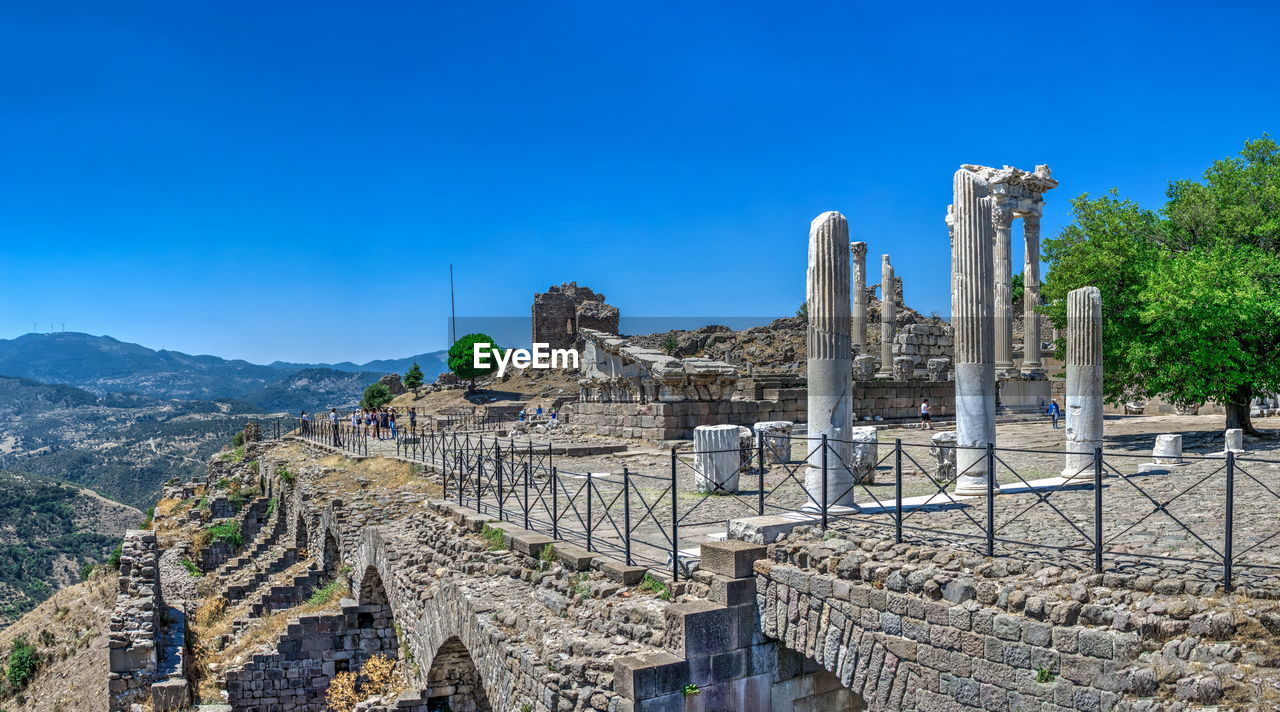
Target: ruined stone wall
[560,312]
[312,650]
[924,341]
[135,622]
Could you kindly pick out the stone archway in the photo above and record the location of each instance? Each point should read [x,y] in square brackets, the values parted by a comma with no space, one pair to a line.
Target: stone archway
[372,591]
[453,682]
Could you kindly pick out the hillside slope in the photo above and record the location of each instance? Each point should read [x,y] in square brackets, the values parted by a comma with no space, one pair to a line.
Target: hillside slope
[48,533]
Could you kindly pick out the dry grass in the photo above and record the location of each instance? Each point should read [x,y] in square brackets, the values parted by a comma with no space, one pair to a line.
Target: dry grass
[378,472]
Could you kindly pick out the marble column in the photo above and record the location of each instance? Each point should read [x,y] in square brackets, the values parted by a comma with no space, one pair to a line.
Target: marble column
[972,301]
[830,364]
[1084,382]
[1002,222]
[888,317]
[858,250]
[1031,295]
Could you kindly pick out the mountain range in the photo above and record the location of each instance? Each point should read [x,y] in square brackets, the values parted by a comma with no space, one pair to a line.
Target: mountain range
[104,366]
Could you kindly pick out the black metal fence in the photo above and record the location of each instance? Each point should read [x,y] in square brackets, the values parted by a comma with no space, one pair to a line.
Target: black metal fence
[1108,517]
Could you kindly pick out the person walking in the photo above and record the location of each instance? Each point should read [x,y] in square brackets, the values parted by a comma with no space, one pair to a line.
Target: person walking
[333,421]
[377,424]
[538,412]
[302,423]
[413,421]
[1054,411]
[926,422]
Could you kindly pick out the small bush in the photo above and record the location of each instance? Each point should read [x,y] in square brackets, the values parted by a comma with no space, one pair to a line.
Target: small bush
[237,439]
[547,557]
[326,593]
[495,537]
[192,568]
[649,583]
[85,572]
[283,473]
[113,559]
[271,506]
[24,660]
[150,517]
[690,690]
[1044,674]
[228,532]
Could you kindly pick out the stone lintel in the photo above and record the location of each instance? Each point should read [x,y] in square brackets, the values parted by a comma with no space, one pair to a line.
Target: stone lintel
[625,575]
[731,558]
[767,528]
[648,675]
[575,558]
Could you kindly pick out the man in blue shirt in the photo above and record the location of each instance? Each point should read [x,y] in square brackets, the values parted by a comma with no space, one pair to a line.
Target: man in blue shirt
[1054,412]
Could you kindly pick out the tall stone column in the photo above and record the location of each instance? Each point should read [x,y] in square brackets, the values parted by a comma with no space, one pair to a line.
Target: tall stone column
[888,317]
[972,310]
[1084,382]
[1002,221]
[858,250]
[1031,295]
[830,366]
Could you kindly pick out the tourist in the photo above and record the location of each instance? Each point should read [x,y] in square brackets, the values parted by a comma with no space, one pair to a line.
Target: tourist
[302,423]
[413,421]
[538,412]
[384,420]
[391,420]
[1054,412]
[926,423]
[333,421]
[377,424]
[521,417]
[554,413]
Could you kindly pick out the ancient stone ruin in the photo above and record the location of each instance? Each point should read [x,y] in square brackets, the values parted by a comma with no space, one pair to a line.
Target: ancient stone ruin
[560,313]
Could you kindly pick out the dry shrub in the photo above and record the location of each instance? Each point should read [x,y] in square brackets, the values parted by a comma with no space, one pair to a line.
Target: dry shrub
[379,672]
[210,611]
[342,695]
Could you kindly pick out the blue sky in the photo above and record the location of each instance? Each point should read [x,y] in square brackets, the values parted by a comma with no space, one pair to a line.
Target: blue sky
[291,180]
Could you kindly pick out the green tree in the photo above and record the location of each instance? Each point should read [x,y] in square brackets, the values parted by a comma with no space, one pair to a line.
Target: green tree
[1016,287]
[23,662]
[413,378]
[462,358]
[375,396]
[1190,294]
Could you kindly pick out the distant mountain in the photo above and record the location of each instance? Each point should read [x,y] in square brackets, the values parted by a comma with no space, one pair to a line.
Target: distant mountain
[123,446]
[313,389]
[432,365]
[103,365]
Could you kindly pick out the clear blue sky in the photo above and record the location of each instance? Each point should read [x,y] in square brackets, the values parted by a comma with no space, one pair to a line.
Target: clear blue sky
[291,180]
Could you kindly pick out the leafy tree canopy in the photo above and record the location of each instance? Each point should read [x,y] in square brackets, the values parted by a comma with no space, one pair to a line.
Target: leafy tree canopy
[1191,293]
[413,377]
[375,396]
[462,357]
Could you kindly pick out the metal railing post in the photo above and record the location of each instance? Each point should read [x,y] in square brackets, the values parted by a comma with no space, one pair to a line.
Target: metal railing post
[526,495]
[626,514]
[760,471]
[824,481]
[555,504]
[1097,510]
[497,470]
[897,490]
[991,499]
[590,487]
[1227,544]
[675,522]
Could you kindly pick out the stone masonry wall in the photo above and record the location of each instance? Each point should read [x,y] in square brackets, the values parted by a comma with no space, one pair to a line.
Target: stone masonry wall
[135,621]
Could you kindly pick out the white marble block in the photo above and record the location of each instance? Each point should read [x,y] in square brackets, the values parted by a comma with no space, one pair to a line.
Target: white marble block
[717,458]
[776,437]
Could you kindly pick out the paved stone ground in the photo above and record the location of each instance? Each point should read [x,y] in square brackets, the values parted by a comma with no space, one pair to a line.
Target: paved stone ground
[1194,497]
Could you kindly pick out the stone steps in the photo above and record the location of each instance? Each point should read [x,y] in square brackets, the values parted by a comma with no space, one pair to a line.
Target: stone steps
[283,559]
[278,598]
[265,538]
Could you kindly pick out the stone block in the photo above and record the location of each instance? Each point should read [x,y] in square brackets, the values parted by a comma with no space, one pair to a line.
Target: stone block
[649,675]
[731,558]
[625,575]
[732,591]
[575,558]
[169,695]
[700,628]
[527,542]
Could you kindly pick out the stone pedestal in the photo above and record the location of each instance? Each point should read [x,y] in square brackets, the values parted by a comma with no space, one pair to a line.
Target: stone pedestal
[865,454]
[775,436]
[1234,439]
[942,446]
[717,458]
[1168,450]
[1084,383]
[830,363]
[864,367]
[904,367]
[937,368]
[972,315]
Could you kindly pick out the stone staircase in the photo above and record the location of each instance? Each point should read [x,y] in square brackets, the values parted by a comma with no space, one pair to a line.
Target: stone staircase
[283,558]
[265,537]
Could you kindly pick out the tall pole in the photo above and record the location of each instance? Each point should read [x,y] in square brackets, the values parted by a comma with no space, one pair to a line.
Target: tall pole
[453,317]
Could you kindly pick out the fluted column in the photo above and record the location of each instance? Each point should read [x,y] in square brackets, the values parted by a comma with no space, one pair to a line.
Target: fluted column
[1031,295]
[830,364]
[972,299]
[888,317]
[1084,382]
[1002,222]
[858,250]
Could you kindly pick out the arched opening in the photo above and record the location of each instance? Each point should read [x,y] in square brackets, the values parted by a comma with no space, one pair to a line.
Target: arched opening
[371,589]
[454,683]
[330,560]
[300,540]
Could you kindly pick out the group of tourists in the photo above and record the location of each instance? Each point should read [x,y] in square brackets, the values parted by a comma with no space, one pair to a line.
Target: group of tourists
[376,423]
[537,413]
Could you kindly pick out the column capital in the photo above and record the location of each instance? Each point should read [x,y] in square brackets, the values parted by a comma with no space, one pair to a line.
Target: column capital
[1002,213]
[858,250]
